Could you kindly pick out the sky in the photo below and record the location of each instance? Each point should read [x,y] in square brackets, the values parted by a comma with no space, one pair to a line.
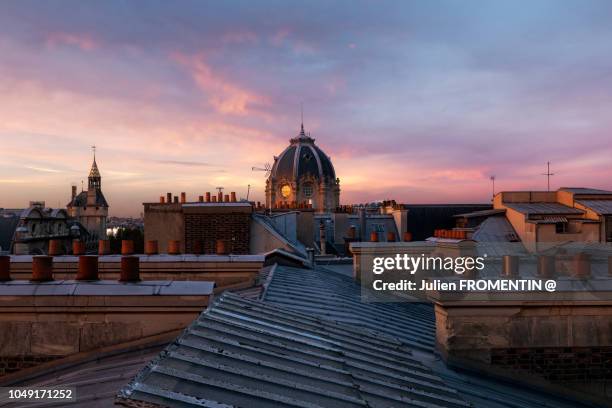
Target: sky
[417,101]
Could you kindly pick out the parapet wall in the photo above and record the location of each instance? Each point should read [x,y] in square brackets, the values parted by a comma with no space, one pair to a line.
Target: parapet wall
[227,271]
[43,321]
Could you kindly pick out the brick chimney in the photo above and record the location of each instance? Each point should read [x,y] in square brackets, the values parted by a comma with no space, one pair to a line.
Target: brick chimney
[74,192]
[183,198]
[510,266]
[42,268]
[169,198]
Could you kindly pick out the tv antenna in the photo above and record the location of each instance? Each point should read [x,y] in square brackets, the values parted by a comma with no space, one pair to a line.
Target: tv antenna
[267,168]
[492,178]
[219,189]
[548,174]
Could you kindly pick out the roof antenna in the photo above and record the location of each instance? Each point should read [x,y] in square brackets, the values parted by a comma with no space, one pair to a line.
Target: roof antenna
[94,151]
[548,174]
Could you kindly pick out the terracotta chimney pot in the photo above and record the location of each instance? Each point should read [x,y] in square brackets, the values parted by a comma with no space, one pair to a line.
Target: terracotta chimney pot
[130,269]
[78,247]
[104,247]
[55,247]
[151,247]
[42,268]
[127,247]
[174,247]
[88,268]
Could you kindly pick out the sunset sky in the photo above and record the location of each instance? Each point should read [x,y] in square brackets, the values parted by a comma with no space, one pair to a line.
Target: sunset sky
[418,101]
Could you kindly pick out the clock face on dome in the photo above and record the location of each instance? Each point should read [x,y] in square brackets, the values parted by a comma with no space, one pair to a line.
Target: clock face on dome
[286,191]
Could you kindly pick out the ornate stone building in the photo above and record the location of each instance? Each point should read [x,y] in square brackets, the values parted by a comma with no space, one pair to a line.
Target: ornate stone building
[303,174]
[90,207]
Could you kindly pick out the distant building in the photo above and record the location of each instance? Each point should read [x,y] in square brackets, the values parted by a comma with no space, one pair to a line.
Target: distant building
[541,220]
[28,231]
[90,207]
[303,176]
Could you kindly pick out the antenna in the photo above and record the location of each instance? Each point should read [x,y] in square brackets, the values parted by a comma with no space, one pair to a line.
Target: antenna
[302,111]
[248,192]
[219,189]
[267,168]
[548,174]
[492,178]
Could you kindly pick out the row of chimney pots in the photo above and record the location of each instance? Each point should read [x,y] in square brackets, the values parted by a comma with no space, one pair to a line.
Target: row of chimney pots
[42,268]
[151,247]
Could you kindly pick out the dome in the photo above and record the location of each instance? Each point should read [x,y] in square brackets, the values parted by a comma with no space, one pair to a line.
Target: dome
[303,158]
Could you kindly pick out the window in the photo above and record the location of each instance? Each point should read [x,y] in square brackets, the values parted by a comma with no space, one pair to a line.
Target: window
[308,190]
[561,227]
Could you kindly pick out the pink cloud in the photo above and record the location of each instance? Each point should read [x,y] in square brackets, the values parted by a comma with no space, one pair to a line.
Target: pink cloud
[81,41]
[224,96]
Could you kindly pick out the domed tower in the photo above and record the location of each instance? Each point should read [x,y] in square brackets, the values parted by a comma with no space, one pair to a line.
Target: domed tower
[303,174]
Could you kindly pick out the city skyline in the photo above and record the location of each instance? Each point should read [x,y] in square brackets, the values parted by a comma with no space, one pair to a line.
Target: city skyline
[416,102]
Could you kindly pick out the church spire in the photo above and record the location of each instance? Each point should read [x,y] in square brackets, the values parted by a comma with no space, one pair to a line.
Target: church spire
[94,179]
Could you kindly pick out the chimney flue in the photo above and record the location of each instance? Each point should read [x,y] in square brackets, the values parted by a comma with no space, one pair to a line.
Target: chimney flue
[74,191]
[233,196]
[162,200]
[546,266]
[127,247]
[582,266]
[183,198]
[130,269]
[169,198]
[174,247]
[151,247]
[88,268]
[104,247]
[5,268]
[510,266]
[208,197]
[78,247]
[42,268]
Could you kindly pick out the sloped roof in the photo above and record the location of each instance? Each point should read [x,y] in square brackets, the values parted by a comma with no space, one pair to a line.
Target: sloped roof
[337,297]
[80,200]
[582,190]
[8,224]
[602,207]
[543,208]
[247,353]
[317,353]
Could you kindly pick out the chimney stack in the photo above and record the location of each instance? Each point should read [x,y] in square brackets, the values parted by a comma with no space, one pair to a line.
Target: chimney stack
[582,266]
[55,247]
[220,247]
[546,266]
[127,247]
[322,238]
[42,268]
[78,247]
[151,247]
[510,266]
[88,268]
[174,247]
[130,269]
[104,247]
[5,268]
